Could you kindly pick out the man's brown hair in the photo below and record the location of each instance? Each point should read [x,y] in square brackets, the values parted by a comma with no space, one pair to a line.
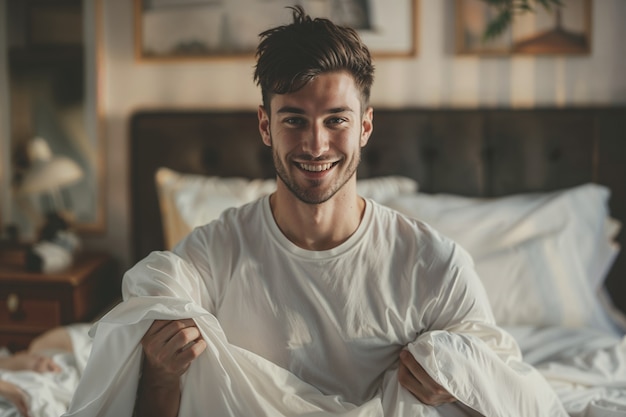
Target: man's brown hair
[290,56]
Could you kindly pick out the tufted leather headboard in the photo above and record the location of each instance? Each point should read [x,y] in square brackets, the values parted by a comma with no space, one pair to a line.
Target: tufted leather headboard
[472,152]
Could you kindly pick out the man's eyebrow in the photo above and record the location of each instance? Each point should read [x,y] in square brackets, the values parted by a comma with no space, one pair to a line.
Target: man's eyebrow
[289,109]
[339,110]
[297,110]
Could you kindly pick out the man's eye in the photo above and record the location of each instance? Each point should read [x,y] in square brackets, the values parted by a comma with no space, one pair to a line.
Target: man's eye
[294,121]
[336,121]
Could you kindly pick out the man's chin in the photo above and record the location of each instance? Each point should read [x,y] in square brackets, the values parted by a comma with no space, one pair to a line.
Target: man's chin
[312,194]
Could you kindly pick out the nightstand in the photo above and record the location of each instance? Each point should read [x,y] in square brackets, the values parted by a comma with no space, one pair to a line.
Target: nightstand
[31,303]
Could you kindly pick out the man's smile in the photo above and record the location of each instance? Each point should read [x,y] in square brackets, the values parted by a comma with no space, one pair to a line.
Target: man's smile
[318,167]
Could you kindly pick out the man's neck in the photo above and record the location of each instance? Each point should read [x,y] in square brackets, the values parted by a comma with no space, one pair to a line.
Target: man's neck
[318,226]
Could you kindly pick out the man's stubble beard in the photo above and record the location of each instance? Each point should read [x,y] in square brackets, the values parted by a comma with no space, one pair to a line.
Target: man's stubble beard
[310,195]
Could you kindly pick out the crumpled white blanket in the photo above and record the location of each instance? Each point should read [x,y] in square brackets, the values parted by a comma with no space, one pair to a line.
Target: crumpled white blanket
[48,394]
[586,367]
[229,381]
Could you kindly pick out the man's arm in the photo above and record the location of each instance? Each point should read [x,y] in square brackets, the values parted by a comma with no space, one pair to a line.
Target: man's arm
[169,348]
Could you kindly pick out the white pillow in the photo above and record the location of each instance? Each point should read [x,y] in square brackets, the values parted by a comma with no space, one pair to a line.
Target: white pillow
[542,256]
[383,188]
[187,200]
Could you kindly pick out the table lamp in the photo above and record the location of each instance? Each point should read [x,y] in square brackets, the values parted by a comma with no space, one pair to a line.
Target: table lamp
[47,176]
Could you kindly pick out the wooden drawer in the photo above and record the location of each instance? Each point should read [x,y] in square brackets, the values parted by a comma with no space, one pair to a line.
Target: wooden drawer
[20,310]
[16,341]
[31,303]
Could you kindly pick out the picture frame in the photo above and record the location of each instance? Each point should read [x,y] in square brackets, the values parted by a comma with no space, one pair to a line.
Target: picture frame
[565,30]
[55,80]
[174,30]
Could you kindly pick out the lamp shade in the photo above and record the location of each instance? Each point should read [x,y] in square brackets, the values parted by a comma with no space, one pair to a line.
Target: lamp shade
[47,172]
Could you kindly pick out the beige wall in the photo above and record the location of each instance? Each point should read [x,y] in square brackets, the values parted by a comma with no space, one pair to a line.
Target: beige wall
[435,78]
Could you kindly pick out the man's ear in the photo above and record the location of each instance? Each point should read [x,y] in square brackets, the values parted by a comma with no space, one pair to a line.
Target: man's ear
[264,126]
[367,126]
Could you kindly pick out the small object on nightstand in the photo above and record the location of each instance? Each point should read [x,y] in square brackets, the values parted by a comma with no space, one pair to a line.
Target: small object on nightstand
[56,246]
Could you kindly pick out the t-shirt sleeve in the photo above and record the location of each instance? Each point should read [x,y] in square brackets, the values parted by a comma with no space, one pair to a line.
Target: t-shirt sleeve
[460,304]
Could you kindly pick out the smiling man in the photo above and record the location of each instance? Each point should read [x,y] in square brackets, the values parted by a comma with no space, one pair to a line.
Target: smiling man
[312,300]
[316,135]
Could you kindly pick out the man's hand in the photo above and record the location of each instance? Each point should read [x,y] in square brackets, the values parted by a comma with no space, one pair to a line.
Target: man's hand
[169,347]
[414,378]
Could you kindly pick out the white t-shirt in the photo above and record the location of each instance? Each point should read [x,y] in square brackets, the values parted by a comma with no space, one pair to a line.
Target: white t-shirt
[336,318]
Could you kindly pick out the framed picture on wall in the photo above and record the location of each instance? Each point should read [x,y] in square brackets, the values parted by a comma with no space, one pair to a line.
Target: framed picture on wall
[562,30]
[201,29]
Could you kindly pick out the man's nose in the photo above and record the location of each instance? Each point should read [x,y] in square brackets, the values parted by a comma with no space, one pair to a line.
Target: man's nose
[316,142]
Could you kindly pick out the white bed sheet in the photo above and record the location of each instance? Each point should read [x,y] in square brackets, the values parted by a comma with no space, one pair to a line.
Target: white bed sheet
[49,394]
[586,367]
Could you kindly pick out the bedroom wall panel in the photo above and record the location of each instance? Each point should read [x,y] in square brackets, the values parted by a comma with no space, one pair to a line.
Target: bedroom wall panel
[610,131]
[396,141]
[442,150]
[539,150]
[455,157]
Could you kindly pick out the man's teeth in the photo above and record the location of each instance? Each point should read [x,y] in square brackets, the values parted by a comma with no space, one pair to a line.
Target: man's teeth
[316,167]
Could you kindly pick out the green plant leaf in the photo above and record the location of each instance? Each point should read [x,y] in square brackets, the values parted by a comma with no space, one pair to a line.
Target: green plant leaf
[498,25]
[506,11]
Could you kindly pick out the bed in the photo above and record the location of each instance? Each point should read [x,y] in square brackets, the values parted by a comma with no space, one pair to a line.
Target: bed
[485,153]
[515,187]
[536,196]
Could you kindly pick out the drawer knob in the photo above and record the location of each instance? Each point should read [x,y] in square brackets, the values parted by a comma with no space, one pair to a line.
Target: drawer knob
[13,303]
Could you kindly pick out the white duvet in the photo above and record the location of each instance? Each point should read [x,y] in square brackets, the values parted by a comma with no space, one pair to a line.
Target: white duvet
[586,368]
[230,381]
